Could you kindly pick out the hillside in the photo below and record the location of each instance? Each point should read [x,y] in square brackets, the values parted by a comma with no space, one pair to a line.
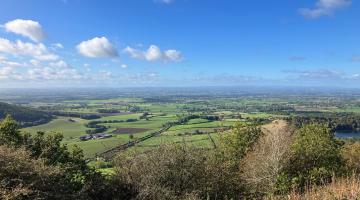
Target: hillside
[23,115]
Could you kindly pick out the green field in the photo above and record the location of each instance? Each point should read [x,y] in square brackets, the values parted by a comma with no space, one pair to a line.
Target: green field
[71,128]
[195,132]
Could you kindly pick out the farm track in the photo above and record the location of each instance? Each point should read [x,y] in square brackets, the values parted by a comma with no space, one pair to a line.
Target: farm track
[109,154]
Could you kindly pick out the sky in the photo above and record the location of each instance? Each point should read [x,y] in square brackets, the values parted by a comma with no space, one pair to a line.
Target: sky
[125,43]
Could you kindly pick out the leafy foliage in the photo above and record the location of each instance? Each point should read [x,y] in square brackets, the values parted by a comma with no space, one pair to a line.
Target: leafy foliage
[315,156]
[38,159]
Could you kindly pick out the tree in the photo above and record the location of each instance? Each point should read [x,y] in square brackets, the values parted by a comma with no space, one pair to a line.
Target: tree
[315,156]
[9,132]
[237,142]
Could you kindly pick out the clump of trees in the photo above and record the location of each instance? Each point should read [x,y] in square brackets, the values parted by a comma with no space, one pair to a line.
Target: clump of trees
[109,110]
[41,167]
[334,121]
[77,115]
[96,126]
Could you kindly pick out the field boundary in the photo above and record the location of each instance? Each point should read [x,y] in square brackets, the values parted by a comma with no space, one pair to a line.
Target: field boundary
[109,154]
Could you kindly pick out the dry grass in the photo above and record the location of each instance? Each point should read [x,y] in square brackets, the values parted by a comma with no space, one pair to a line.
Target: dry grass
[262,165]
[339,189]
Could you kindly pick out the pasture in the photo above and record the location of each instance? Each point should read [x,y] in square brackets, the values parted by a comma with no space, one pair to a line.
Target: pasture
[135,117]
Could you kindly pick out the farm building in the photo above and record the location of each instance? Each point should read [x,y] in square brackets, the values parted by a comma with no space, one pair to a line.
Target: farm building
[95,136]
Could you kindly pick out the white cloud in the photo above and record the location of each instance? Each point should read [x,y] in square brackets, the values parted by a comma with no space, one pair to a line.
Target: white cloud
[38,51]
[324,7]
[9,73]
[27,28]
[173,55]
[97,47]
[134,53]
[6,63]
[10,63]
[37,71]
[165,1]
[153,53]
[5,72]
[59,70]
[57,46]
[124,66]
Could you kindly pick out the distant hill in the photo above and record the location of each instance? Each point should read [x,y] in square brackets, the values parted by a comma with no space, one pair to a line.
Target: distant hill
[23,115]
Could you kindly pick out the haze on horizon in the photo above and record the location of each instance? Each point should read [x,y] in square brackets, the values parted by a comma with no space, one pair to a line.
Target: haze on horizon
[148,43]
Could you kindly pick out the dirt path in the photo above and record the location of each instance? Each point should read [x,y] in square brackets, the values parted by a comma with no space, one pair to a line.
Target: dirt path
[276,126]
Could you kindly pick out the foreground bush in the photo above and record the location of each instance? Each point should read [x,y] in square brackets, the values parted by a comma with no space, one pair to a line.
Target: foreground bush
[25,178]
[169,172]
[342,188]
[314,158]
[351,155]
[180,172]
[41,167]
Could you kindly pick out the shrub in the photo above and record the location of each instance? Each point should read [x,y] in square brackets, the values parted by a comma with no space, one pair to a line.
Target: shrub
[9,132]
[41,167]
[26,178]
[168,172]
[315,156]
[237,142]
[351,155]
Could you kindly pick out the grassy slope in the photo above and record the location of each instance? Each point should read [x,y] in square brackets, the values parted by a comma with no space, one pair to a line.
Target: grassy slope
[70,130]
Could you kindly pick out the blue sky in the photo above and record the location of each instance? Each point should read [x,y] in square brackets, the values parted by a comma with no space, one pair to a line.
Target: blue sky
[83,43]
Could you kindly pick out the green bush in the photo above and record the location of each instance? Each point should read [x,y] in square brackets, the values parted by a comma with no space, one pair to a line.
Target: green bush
[315,156]
[39,167]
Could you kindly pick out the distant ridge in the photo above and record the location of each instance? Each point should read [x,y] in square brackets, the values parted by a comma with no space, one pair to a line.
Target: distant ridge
[23,115]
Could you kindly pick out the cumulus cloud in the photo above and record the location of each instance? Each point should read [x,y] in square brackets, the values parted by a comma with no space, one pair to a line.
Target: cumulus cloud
[96,48]
[324,7]
[172,55]
[27,28]
[19,48]
[153,53]
[38,71]
[59,70]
